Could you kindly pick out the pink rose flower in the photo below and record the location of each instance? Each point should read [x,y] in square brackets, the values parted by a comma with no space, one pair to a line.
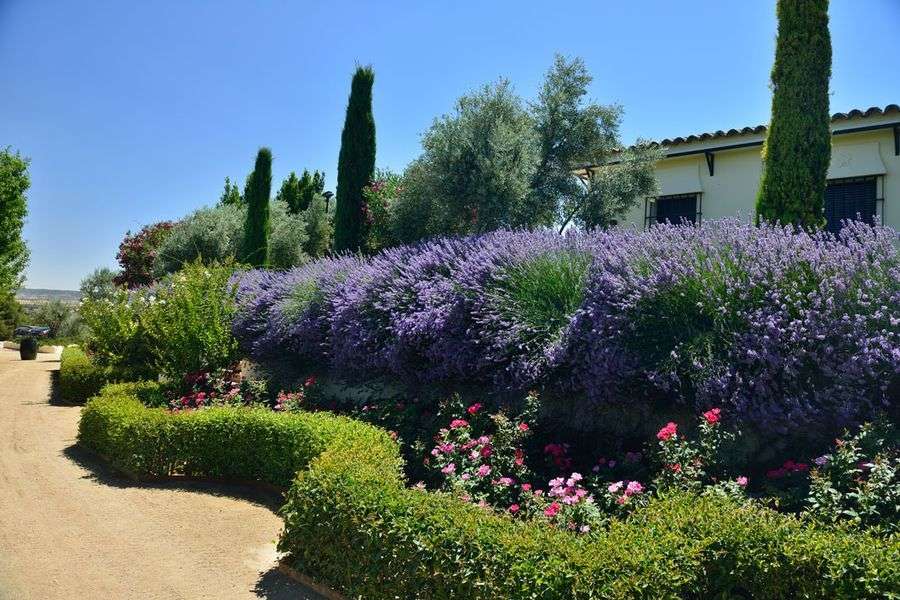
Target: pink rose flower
[713,416]
[742,481]
[484,471]
[667,432]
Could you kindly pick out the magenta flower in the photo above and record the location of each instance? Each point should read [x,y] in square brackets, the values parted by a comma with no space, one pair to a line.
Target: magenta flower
[484,471]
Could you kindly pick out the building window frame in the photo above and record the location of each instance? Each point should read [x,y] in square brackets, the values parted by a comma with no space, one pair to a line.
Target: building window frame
[879,192]
[650,206]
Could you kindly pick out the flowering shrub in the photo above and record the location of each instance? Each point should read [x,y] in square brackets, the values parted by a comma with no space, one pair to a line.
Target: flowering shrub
[188,321]
[481,458]
[221,387]
[859,481]
[288,312]
[700,463]
[794,334]
[117,337]
[138,252]
[379,196]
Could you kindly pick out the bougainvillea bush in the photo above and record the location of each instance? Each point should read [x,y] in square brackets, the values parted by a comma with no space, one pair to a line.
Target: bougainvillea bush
[796,334]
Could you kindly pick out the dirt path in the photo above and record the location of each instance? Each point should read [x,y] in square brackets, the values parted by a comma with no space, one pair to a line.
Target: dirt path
[69,528]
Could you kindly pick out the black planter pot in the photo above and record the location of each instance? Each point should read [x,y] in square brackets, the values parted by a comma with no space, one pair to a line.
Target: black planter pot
[28,348]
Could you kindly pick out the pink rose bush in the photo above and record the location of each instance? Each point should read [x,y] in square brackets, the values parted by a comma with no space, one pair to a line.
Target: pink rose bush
[481,458]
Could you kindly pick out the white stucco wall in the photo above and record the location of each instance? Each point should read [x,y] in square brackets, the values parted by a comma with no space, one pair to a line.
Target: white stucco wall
[732,190]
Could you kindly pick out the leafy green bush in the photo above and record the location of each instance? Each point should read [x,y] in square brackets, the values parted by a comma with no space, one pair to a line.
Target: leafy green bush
[188,322]
[117,337]
[249,444]
[860,481]
[209,234]
[288,239]
[80,378]
[350,522]
[11,314]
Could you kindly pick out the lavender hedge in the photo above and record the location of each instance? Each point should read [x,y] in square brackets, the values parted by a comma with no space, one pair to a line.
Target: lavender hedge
[793,331]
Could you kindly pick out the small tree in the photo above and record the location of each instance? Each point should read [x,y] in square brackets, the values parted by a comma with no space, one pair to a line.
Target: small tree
[255,247]
[14,182]
[356,163]
[319,228]
[290,193]
[11,314]
[231,195]
[98,285]
[797,150]
[138,252]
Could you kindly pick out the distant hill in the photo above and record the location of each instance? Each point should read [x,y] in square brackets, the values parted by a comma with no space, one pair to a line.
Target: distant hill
[35,295]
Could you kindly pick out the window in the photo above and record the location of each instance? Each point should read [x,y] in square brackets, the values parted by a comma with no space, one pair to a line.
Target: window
[850,199]
[674,209]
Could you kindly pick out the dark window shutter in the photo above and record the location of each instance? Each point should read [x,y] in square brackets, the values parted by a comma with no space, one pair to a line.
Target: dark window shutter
[676,209]
[849,200]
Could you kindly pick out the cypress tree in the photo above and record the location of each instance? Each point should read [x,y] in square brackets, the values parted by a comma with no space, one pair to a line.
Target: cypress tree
[356,163]
[797,150]
[255,247]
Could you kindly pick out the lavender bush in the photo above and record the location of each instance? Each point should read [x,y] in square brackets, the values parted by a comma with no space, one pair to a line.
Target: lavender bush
[792,332]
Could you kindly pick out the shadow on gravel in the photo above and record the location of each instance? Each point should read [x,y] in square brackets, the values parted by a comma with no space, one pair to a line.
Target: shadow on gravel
[274,585]
[102,473]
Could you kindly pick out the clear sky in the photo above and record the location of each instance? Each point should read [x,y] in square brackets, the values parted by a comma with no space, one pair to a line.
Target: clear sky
[133,112]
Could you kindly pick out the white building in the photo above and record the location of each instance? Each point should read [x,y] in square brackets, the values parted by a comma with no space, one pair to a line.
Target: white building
[715,175]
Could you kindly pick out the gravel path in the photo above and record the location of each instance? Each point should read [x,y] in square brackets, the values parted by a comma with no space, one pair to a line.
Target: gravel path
[69,528]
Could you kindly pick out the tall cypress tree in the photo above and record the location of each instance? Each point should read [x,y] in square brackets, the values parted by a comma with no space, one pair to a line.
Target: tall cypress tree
[255,247]
[797,150]
[356,163]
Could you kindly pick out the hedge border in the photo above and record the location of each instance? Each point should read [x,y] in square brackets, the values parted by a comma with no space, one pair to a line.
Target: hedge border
[80,378]
[351,523]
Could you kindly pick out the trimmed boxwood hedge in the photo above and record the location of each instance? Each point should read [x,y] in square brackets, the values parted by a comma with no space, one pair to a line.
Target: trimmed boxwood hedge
[247,444]
[81,378]
[351,523]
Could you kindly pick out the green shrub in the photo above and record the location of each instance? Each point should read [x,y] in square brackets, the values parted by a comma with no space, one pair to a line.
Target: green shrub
[250,444]
[80,378]
[117,338]
[208,234]
[11,314]
[350,522]
[188,323]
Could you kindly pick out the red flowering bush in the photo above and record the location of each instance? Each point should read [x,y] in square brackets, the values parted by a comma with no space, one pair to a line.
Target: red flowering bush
[701,464]
[137,253]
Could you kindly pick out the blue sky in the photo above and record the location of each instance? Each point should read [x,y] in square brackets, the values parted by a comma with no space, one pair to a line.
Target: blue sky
[133,112]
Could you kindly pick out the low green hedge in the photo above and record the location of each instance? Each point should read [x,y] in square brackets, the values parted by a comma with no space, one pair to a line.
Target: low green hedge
[233,443]
[81,378]
[352,524]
